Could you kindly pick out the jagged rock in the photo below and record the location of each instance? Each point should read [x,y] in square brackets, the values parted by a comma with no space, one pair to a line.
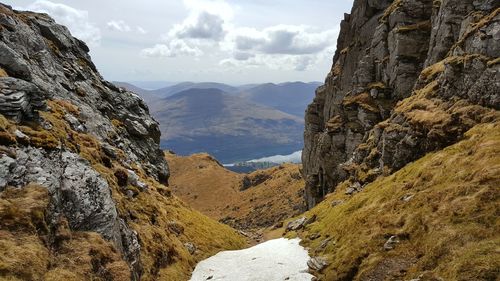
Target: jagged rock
[336,202]
[79,194]
[296,224]
[386,52]
[133,179]
[75,123]
[300,223]
[391,243]
[314,236]
[20,99]
[254,180]
[20,135]
[46,62]
[317,263]
[407,197]
[190,247]
[176,228]
[324,243]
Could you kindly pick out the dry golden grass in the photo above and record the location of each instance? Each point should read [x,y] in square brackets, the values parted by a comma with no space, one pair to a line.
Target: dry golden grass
[393,7]
[364,100]
[336,69]
[213,190]
[334,123]
[7,129]
[493,62]
[425,110]
[448,229]
[3,73]
[26,253]
[377,85]
[424,25]
[430,72]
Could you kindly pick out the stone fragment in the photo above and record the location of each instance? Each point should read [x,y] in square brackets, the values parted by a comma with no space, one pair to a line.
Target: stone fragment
[317,263]
[190,247]
[391,243]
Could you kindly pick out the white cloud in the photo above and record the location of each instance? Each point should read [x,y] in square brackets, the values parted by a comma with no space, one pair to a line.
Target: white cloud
[281,39]
[205,25]
[284,47]
[200,26]
[174,48]
[76,20]
[141,30]
[276,62]
[122,26]
[118,25]
[209,26]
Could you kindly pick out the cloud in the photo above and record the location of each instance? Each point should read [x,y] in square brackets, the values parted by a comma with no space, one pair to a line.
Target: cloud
[283,47]
[122,26]
[118,25]
[209,26]
[202,26]
[276,62]
[205,25]
[174,48]
[281,39]
[76,20]
[141,30]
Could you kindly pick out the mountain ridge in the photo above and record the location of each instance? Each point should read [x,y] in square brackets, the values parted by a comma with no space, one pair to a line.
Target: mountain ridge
[227,126]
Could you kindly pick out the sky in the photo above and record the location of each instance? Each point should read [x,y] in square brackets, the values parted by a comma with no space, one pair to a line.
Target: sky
[228,41]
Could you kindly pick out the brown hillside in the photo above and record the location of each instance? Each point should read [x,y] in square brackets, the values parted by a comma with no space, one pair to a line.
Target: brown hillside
[435,219]
[270,196]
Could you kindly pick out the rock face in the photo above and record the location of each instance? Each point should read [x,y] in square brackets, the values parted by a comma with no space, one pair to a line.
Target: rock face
[408,77]
[44,61]
[40,61]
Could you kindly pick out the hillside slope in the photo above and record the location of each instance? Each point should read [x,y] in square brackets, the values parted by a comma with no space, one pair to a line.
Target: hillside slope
[228,127]
[83,192]
[260,199]
[435,219]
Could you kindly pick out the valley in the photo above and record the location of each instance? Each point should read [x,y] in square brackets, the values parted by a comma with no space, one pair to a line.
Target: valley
[232,123]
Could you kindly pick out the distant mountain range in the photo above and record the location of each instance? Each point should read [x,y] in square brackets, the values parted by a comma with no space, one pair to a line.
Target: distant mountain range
[291,97]
[233,123]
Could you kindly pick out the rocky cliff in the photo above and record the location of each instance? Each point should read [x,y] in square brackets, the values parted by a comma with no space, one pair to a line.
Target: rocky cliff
[408,77]
[83,183]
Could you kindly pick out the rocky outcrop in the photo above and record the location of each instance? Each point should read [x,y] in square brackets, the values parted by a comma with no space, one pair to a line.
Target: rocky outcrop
[41,61]
[44,61]
[408,77]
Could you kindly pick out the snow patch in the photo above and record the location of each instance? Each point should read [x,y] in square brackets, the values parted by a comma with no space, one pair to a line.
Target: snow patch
[278,259]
